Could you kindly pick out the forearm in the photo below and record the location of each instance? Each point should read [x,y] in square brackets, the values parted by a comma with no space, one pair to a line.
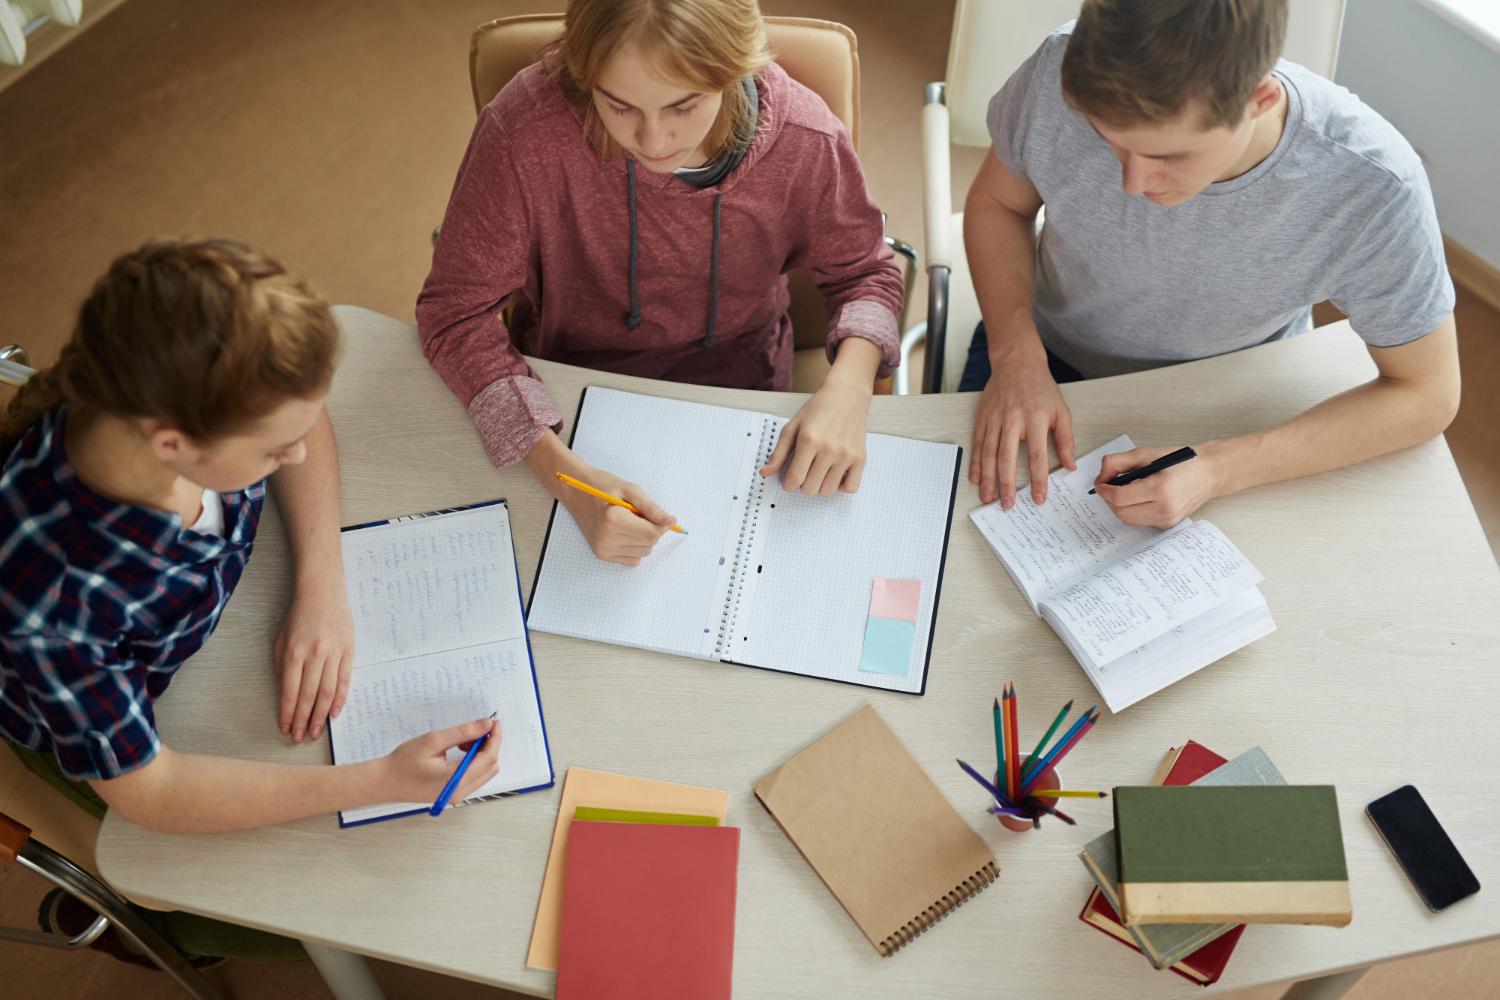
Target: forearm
[189,793]
[308,496]
[855,365]
[1001,253]
[1370,420]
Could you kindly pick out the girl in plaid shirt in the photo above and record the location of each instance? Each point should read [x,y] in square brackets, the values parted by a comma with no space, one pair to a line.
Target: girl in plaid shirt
[133,482]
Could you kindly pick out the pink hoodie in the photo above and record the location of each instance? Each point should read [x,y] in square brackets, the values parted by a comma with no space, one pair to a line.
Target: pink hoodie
[537,219]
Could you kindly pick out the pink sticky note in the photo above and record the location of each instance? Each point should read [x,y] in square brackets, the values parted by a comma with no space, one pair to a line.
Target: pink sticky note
[899,599]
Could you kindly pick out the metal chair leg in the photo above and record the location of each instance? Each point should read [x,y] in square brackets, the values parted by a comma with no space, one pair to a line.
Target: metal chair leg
[112,909]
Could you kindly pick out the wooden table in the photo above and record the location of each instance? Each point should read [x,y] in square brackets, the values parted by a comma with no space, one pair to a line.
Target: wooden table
[1384,669]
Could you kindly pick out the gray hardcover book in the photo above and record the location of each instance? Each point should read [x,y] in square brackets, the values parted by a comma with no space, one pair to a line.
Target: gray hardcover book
[1166,944]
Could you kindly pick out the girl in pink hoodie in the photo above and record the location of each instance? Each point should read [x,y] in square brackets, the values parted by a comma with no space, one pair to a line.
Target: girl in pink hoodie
[634,201]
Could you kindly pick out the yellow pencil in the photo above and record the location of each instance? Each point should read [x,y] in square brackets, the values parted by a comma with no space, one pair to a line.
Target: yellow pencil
[1060,793]
[598,494]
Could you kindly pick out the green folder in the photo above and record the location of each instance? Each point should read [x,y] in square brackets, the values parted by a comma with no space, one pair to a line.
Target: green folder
[638,816]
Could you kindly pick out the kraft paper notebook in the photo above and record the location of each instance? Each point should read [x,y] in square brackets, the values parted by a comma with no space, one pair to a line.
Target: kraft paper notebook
[583,788]
[860,778]
[439,639]
[1139,608]
[843,588]
[648,912]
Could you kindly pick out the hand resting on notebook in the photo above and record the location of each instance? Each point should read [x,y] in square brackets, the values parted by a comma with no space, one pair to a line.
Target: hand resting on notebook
[821,450]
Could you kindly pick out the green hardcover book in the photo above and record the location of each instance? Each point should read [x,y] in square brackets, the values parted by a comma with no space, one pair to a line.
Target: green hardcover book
[1257,855]
[1166,944]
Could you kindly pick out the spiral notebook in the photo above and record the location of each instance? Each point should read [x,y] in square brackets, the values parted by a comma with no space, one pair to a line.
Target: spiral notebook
[877,831]
[764,577]
[439,639]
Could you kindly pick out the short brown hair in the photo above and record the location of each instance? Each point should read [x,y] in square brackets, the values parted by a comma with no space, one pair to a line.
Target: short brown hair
[1132,62]
[709,45]
[206,336]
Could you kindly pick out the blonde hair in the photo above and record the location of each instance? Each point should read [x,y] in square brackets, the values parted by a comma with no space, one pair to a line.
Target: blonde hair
[205,336]
[707,45]
[1132,62]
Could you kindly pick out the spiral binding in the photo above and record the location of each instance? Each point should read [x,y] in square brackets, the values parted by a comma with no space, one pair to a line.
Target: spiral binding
[744,544]
[949,902]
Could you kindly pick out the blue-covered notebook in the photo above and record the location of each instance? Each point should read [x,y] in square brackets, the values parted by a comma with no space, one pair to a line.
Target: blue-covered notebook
[440,639]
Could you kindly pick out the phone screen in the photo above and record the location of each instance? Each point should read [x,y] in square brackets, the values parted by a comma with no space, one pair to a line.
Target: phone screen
[1423,849]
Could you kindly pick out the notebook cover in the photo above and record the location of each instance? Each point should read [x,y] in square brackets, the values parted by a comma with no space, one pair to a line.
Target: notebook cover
[582,787]
[1165,944]
[1203,966]
[1254,854]
[530,659]
[648,912]
[937,588]
[859,778]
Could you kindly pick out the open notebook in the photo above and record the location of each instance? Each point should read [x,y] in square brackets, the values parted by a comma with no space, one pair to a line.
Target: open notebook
[439,640]
[1139,608]
[763,578]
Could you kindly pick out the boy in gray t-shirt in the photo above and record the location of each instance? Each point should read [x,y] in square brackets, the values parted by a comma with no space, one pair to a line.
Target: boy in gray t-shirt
[1200,196]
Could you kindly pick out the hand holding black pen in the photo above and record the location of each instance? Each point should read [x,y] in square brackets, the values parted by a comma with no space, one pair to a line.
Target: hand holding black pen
[1151,468]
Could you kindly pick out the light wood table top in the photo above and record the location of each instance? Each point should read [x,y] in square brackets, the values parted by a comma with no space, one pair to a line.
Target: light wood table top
[1384,669]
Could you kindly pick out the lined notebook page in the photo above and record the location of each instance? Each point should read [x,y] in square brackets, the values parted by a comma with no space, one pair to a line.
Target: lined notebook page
[440,640]
[420,585]
[1050,546]
[694,460]
[810,590]
[390,703]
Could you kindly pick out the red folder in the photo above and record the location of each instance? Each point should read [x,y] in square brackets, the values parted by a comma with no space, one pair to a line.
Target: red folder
[648,912]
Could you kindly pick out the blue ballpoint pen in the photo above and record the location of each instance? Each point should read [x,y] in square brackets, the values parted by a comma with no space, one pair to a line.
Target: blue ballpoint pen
[463,767]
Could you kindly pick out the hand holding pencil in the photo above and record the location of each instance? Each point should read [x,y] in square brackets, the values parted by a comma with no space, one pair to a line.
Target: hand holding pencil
[621,523]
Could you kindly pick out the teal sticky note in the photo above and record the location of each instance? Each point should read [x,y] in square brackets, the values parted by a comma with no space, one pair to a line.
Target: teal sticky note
[887,646]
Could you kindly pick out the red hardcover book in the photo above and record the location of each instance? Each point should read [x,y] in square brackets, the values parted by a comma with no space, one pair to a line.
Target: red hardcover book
[1206,965]
[1203,966]
[648,912]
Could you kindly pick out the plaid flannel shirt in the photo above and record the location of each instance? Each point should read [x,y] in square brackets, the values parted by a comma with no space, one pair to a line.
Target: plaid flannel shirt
[100,603]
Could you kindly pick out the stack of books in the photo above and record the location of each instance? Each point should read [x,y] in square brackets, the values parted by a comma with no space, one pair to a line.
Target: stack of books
[1187,867]
[1196,952]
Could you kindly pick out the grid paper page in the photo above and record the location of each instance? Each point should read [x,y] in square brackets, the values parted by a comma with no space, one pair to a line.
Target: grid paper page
[812,577]
[420,585]
[390,703]
[694,460]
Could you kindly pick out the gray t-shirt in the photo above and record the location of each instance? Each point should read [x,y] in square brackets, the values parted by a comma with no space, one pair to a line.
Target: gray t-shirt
[1340,210]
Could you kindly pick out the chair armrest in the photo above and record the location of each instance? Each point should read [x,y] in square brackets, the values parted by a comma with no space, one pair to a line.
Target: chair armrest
[937,183]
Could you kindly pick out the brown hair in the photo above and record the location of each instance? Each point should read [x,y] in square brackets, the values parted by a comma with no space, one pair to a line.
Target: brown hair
[708,45]
[205,336]
[1132,62]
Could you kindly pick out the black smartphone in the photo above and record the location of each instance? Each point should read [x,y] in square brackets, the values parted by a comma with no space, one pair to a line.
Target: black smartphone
[1436,870]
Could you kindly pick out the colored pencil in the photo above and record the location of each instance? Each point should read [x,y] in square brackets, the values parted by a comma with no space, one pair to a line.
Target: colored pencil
[1030,771]
[1005,779]
[1007,811]
[1056,812]
[1058,753]
[1066,793]
[1042,743]
[1000,771]
[599,494]
[1013,748]
[1000,797]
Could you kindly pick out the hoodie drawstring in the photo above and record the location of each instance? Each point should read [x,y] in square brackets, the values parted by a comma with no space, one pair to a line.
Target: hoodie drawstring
[713,280]
[634,319]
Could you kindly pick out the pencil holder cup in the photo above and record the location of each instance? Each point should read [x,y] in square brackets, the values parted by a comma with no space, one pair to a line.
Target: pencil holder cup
[1049,781]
